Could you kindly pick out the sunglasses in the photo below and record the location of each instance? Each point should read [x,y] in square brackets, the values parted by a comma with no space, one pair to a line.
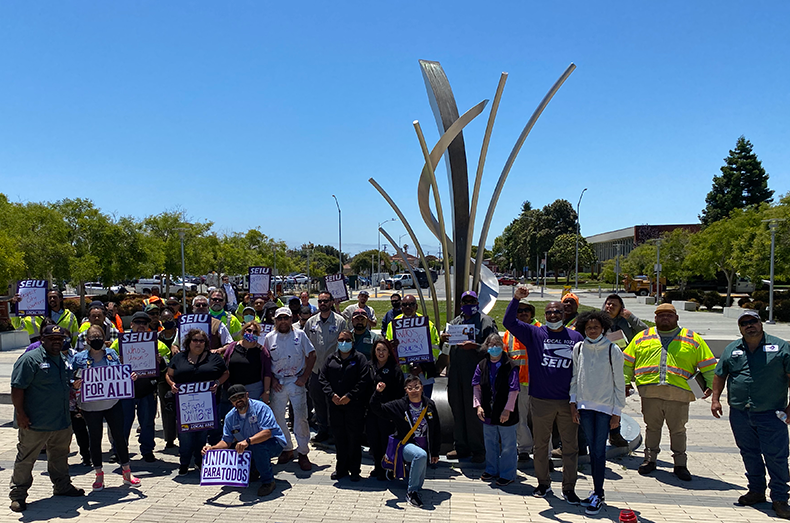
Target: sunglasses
[324,301]
[198,340]
[415,388]
[746,323]
[251,331]
[395,303]
[201,305]
[522,311]
[217,300]
[237,397]
[283,318]
[408,304]
[552,312]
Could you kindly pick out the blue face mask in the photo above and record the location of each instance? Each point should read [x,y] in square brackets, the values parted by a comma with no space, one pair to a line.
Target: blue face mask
[248,318]
[344,346]
[495,351]
[250,337]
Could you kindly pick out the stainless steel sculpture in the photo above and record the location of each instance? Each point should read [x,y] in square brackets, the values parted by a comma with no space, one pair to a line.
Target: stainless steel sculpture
[451,145]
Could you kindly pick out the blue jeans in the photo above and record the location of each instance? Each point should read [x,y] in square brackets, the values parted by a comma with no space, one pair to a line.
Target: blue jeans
[418,459]
[763,441]
[262,455]
[596,430]
[146,413]
[501,450]
[190,444]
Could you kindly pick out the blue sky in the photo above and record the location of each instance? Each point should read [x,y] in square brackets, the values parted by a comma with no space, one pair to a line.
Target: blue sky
[253,114]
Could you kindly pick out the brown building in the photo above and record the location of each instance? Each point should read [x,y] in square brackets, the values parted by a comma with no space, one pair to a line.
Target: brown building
[606,244]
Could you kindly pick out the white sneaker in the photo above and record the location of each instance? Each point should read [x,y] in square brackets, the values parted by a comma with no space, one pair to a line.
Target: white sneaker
[596,503]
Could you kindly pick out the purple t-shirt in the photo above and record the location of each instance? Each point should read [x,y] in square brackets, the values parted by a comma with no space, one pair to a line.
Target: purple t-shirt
[550,355]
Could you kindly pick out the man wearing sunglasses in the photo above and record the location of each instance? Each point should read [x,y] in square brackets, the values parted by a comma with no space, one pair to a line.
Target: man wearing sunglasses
[661,359]
[550,355]
[323,329]
[217,310]
[219,337]
[756,369]
[395,302]
[251,425]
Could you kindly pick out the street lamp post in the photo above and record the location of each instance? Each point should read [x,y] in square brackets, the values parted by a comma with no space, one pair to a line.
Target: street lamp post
[378,252]
[772,225]
[578,229]
[617,269]
[339,235]
[181,233]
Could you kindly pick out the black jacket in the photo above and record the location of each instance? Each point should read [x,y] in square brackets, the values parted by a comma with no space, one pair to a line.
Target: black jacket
[392,376]
[493,407]
[351,376]
[398,412]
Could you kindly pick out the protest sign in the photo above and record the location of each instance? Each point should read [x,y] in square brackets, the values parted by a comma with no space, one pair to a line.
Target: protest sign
[196,407]
[187,322]
[336,286]
[260,281]
[266,328]
[460,333]
[138,349]
[226,467]
[34,297]
[109,382]
[414,339]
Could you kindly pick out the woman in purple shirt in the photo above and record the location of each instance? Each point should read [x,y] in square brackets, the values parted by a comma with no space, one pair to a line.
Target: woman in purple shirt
[495,391]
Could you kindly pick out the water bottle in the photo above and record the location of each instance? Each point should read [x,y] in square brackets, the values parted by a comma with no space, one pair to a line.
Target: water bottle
[781,415]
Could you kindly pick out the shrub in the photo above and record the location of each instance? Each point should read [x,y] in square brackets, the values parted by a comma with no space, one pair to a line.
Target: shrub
[712,299]
[761,295]
[129,306]
[688,295]
[743,301]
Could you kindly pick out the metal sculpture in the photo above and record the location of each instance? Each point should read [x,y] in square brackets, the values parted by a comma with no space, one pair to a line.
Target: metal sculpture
[451,147]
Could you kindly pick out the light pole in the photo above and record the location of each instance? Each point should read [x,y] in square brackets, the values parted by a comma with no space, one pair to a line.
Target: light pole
[378,252]
[181,233]
[578,229]
[772,225]
[617,269]
[339,235]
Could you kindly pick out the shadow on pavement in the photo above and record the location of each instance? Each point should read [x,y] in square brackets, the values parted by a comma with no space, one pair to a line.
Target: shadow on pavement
[248,496]
[58,507]
[665,475]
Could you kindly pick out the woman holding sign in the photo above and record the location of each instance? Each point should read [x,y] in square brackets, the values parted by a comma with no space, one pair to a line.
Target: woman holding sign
[197,365]
[110,410]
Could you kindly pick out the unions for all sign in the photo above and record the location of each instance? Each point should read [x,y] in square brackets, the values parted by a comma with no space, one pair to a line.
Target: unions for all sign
[107,382]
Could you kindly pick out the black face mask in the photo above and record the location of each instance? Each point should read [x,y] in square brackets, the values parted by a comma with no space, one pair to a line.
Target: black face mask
[96,344]
[395,305]
[169,325]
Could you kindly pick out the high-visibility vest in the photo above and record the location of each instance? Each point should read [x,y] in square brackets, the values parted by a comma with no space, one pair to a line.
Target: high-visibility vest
[32,324]
[518,353]
[649,364]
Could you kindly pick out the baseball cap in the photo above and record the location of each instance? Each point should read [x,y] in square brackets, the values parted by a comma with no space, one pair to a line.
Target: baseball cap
[666,307]
[365,293]
[96,304]
[282,311]
[140,315]
[749,312]
[233,390]
[152,307]
[55,330]
[473,294]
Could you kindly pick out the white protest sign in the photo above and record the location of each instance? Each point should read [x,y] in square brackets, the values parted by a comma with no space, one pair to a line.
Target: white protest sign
[187,322]
[108,382]
[414,339]
[336,286]
[33,294]
[266,328]
[226,467]
[196,407]
[618,338]
[138,349]
[460,333]
[260,281]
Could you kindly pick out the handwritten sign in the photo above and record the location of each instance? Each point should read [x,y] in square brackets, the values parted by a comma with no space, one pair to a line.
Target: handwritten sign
[196,408]
[138,349]
[260,281]
[34,297]
[336,286]
[414,339]
[109,382]
[460,333]
[226,467]
[187,322]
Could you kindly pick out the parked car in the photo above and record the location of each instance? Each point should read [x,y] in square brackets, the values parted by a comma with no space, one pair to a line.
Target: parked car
[301,279]
[507,280]
[400,281]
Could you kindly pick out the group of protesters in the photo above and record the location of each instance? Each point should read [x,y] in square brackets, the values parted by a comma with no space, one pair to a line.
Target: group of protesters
[552,388]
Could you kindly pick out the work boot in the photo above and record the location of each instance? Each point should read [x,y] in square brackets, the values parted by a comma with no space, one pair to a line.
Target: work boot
[616,439]
[266,488]
[781,509]
[751,498]
[286,456]
[647,467]
[682,473]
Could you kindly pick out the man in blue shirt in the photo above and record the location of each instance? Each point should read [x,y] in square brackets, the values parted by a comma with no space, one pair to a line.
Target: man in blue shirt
[251,425]
[40,386]
[756,369]
[550,351]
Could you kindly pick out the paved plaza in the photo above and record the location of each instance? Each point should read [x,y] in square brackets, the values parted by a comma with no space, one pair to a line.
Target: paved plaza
[452,492]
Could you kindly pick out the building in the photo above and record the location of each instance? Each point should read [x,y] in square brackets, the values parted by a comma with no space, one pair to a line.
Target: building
[606,244]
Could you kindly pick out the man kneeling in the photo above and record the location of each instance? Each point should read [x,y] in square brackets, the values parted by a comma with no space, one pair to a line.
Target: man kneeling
[250,425]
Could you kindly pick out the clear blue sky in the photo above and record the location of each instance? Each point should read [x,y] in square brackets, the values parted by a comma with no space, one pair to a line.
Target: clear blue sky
[252,113]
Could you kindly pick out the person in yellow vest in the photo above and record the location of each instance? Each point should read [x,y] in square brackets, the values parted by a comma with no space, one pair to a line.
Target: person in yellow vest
[217,300]
[518,354]
[59,314]
[660,360]
[96,316]
[426,371]
[154,298]
[570,309]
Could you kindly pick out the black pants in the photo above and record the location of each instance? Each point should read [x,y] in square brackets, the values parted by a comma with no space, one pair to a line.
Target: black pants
[319,403]
[347,422]
[378,431]
[167,407]
[114,417]
[81,435]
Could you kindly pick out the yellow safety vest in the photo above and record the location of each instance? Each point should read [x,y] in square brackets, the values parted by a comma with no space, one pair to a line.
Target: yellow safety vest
[647,363]
[32,324]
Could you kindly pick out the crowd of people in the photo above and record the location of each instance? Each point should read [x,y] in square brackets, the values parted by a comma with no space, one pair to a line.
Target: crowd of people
[553,388]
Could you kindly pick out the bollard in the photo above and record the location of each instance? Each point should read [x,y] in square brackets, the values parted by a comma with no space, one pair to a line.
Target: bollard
[627,516]
[599,291]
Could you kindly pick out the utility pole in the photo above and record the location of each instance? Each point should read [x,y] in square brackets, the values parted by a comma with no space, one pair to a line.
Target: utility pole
[772,225]
[378,253]
[617,269]
[578,230]
[339,235]
[181,233]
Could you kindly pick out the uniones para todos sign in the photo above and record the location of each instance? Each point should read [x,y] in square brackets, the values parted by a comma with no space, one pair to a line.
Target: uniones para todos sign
[226,467]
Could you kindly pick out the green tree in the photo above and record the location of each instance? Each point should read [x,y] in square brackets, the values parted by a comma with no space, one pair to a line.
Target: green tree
[361,263]
[674,251]
[563,254]
[639,261]
[743,182]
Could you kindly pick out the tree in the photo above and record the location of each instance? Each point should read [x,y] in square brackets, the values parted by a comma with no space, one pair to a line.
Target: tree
[743,183]
[640,261]
[563,252]
[361,263]
[725,245]
[674,251]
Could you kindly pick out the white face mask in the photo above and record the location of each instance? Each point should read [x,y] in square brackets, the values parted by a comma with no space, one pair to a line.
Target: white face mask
[554,325]
[596,340]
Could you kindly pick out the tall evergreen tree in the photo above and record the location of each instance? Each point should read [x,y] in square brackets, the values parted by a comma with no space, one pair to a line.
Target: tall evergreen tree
[743,183]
